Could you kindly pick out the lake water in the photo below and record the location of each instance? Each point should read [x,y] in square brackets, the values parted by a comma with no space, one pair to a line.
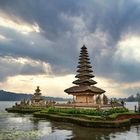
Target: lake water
[26,127]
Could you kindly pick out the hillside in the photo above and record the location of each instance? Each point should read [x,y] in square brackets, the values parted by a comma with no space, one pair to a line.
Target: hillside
[11,96]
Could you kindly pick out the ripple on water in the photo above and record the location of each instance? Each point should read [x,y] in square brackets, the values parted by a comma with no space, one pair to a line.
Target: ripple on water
[127,135]
[19,135]
[26,127]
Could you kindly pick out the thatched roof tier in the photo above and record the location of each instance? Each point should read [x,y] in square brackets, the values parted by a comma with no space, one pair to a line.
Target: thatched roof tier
[84,74]
[84,70]
[84,82]
[84,90]
[83,54]
[84,65]
[84,59]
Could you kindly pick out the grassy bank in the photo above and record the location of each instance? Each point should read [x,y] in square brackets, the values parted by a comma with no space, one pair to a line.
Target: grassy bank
[92,112]
[24,110]
[69,111]
[84,117]
[84,120]
[92,118]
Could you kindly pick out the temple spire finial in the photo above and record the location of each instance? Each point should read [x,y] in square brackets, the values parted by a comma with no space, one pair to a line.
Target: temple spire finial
[84,47]
[37,90]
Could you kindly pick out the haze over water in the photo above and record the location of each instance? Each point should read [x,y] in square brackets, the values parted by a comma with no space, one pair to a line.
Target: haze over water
[26,127]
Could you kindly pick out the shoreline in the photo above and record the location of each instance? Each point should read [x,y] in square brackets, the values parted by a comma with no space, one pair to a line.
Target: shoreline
[115,120]
[90,121]
[23,110]
[85,122]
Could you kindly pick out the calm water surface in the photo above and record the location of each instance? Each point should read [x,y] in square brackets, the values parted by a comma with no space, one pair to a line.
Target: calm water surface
[26,127]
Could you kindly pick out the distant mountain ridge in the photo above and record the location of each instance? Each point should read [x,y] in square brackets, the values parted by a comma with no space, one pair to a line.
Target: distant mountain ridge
[132,98]
[11,96]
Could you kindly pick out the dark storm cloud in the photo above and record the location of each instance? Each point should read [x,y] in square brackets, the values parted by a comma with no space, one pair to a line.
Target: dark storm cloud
[127,71]
[58,42]
[45,13]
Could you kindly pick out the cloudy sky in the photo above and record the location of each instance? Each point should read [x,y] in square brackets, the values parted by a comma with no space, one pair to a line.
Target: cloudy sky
[40,42]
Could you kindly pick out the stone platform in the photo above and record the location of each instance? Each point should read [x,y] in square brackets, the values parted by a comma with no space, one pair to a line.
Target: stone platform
[86,105]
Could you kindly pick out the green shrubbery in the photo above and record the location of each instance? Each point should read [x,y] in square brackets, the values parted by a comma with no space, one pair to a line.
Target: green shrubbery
[93,112]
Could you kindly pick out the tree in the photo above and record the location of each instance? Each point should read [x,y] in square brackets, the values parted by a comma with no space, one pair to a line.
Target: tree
[138,96]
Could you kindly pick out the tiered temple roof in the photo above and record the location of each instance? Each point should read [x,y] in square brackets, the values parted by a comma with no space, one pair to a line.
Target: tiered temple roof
[84,76]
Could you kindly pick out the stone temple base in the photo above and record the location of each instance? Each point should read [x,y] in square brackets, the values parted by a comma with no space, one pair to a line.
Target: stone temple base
[86,105]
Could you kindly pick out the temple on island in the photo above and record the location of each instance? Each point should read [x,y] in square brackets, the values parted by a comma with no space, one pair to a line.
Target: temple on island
[85,91]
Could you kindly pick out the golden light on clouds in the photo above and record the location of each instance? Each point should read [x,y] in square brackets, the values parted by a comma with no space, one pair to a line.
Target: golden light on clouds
[19,26]
[20,61]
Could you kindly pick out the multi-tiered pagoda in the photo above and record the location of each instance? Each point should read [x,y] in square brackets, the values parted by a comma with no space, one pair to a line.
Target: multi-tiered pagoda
[85,92]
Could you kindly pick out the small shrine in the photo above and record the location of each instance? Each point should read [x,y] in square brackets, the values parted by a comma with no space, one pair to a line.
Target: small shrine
[85,91]
[36,100]
[37,97]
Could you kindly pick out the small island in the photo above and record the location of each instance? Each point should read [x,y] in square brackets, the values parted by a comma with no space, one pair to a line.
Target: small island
[90,106]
